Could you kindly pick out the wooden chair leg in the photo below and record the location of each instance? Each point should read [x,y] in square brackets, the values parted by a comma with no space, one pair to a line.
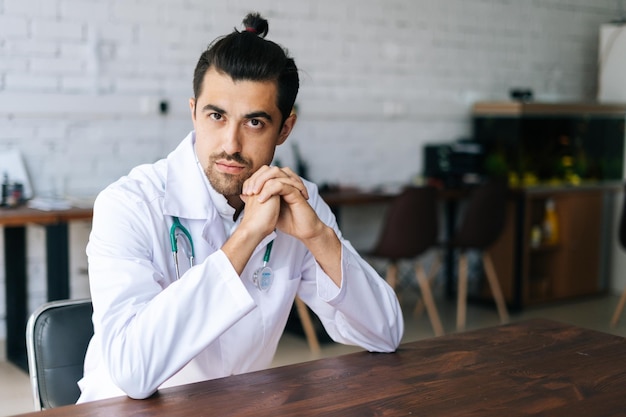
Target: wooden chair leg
[392,275]
[618,309]
[429,301]
[307,326]
[392,278]
[461,302]
[432,274]
[494,284]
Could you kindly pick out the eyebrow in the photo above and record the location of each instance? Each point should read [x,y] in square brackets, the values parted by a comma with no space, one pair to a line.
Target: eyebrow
[214,108]
[253,115]
[258,115]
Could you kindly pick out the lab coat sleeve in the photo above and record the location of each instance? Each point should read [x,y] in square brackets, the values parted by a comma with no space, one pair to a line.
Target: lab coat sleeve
[148,329]
[365,310]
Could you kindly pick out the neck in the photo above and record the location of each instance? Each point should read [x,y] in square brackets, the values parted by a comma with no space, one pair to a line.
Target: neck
[235,202]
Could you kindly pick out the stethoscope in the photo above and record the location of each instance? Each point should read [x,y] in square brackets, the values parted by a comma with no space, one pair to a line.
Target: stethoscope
[262,278]
[177,230]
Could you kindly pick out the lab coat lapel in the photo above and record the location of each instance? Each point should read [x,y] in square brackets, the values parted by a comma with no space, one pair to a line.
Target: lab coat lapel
[186,197]
[185,191]
[213,231]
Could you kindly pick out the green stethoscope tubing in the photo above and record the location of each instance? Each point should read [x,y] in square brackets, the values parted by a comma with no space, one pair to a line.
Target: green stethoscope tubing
[268,252]
[173,241]
[176,225]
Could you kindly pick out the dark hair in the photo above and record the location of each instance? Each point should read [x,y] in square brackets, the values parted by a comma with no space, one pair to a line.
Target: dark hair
[246,55]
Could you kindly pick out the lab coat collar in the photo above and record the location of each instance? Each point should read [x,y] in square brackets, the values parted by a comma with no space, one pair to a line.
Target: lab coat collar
[184,185]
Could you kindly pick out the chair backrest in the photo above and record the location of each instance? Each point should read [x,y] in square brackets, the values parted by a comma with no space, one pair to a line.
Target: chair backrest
[410,226]
[57,335]
[484,216]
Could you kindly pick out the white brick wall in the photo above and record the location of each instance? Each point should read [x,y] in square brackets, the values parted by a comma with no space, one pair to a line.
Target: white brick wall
[80,79]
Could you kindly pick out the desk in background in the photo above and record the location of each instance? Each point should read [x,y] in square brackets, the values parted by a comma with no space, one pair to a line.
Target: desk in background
[14,222]
[538,367]
[338,197]
[355,196]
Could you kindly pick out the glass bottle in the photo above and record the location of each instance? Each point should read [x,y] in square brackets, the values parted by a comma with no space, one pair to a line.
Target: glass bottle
[550,224]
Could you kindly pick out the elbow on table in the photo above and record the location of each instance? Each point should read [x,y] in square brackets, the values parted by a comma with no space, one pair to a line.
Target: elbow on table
[134,384]
[132,390]
[393,333]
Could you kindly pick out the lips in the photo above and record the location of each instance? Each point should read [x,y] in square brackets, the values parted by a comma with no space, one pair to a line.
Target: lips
[228,167]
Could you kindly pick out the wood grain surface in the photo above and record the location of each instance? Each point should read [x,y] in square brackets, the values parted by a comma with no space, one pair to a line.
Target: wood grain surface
[536,367]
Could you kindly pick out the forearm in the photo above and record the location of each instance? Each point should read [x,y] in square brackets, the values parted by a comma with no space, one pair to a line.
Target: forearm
[239,248]
[326,249]
[364,312]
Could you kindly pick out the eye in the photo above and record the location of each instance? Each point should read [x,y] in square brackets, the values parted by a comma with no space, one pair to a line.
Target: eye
[256,123]
[215,116]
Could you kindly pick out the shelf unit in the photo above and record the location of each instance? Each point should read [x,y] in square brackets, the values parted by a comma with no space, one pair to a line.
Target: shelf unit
[572,267]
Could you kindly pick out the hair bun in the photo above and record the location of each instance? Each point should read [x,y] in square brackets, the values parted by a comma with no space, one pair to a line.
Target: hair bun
[255,23]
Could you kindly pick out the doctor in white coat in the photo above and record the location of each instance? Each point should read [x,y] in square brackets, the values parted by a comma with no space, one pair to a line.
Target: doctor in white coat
[155,326]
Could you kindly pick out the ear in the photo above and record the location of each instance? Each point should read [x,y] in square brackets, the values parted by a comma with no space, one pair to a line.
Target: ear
[286,129]
[192,108]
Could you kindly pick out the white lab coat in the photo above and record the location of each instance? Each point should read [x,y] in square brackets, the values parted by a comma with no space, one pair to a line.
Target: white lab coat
[152,330]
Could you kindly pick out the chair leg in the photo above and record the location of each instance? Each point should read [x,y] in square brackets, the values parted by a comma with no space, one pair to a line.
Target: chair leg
[392,275]
[490,271]
[307,326]
[432,274]
[461,302]
[429,301]
[618,309]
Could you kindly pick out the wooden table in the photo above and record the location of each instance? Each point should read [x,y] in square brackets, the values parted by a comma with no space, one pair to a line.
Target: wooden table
[537,367]
[14,222]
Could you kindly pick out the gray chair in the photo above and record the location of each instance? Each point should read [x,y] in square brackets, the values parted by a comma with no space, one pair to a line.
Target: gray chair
[57,335]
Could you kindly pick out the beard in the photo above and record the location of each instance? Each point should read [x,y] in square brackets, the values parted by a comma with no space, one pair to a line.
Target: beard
[227,184]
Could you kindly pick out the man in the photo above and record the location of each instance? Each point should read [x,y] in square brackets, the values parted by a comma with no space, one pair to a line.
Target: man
[259,236]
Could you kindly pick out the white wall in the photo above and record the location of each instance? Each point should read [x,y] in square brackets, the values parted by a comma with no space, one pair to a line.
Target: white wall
[80,80]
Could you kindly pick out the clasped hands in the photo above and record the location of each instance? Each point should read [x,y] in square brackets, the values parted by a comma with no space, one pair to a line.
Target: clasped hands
[276,198]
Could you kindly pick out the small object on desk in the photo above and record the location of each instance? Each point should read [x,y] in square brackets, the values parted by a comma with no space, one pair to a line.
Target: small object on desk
[48,204]
[12,192]
[521,94]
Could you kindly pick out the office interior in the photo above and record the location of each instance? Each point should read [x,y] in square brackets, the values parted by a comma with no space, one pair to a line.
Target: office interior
[90,89]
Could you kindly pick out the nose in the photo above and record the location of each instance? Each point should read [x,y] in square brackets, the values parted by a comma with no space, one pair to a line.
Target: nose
[231,143]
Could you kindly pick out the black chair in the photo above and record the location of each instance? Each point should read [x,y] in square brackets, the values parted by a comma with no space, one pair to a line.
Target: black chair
[410,229]
[481,225]
[622,240]
[57,335]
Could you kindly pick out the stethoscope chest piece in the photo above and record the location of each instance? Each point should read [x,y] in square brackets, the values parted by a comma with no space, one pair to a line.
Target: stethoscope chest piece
[263,278]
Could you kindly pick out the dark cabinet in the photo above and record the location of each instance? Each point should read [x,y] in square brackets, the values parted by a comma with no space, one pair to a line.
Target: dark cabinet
[573,155]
